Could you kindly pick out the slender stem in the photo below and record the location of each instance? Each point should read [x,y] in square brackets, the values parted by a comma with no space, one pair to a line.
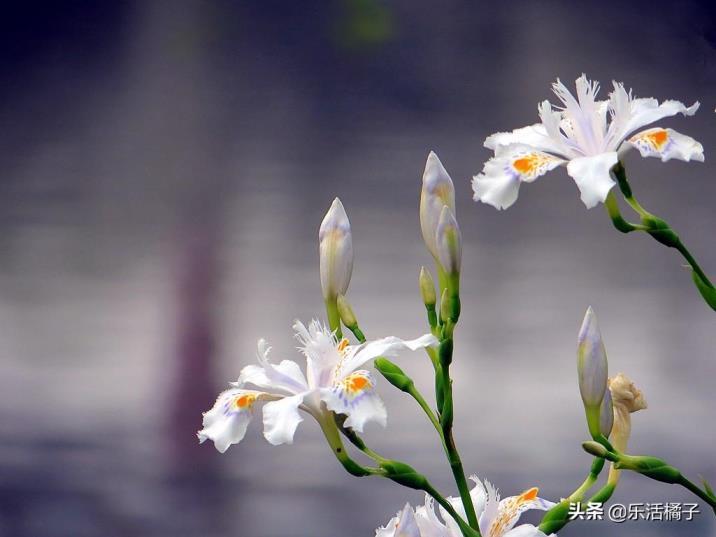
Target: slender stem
[428,411]
[705,496]
[659,230]
[446,421]
[595,470]
[334,318]
[617,219]
[691,261]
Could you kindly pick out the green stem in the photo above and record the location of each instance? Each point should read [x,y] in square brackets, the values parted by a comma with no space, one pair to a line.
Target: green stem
[659,230]
[705,496]
[446,422]
[334,318]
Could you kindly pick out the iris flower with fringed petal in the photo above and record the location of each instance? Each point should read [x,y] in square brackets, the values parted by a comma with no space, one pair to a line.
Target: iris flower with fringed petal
[497,517]
[588,136]
[333,382]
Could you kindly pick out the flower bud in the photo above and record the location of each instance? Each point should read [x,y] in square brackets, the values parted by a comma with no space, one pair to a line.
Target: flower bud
[595,448]
[591,362]
[437,191]
[336,251]
[403,474]
[393,374]
[427,287]
[346,312]
[448,241]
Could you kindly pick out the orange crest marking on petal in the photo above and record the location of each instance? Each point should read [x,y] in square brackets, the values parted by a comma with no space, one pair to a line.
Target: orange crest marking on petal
[532,165]
[658,138]
[356,383]
[245,401]
[529,495]
[655,139]
[524,165]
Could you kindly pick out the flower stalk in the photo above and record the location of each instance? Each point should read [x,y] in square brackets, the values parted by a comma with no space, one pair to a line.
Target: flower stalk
[659,230]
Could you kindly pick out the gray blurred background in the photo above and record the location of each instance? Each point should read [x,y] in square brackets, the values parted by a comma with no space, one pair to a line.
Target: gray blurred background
[165,167]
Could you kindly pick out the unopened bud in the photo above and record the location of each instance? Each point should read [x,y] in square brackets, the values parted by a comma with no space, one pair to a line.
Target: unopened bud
[437,191]
[427,287]
[336,251]
[393,374]
[448,241]
[595,448]
[592,369]
[346,312]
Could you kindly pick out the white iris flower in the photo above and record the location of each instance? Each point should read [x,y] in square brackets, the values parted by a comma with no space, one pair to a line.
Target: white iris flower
[588,136]
[334,381]
[497,517]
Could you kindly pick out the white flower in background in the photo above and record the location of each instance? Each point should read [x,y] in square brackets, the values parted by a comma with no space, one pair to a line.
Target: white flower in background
[497,518]
[436,193]
[333,382]
[586,135]
[335,251]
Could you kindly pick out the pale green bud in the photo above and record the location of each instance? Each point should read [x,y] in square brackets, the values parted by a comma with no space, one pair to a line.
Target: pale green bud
[448,240]
[346,312]
[427,287]
[445,305]
[437,191]
[595,448]
[336,251]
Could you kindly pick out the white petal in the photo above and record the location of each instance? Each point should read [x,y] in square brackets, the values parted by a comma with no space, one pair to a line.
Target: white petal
[286,376]
[499,182]
[536,136]
[319,345]
[592,176]
[525,530]
[667,144]
[389,346]
[491,511]
[281,419]
[511,508]
[428,522]
[356,397]
[402,525]
[225,424]
[630,114]
[647,111]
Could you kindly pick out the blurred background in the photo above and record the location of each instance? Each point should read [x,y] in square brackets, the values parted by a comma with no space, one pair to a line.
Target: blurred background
[165,167]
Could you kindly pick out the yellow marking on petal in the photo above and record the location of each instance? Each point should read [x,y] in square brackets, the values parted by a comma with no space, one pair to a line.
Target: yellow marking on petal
[245,401]
[342,345]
